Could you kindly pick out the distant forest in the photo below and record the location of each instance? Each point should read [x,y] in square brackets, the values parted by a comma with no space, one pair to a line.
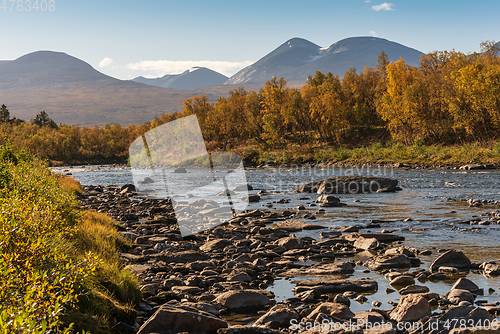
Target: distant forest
[451,98]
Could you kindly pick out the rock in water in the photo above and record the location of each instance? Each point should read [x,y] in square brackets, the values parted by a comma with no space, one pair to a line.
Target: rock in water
[338,311]
[411,307]
[243,187]
[490,269]
[278,316]
[350,185]
[180,170]
[465,284]
[337,268]
[472,167]
[251,198]
[240,300]
[329,201]
[169,320]
[387,262]
[451,258]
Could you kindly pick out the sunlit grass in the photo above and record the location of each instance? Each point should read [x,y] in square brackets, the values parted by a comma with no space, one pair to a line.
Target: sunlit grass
[377,153]
[59,266]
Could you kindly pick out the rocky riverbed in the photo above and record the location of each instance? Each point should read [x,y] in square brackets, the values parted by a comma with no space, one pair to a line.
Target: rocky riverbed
[222,280]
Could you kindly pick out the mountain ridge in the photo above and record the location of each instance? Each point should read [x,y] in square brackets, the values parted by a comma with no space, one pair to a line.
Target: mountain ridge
[297,58]
[193,78]
[48,68]
[72,91]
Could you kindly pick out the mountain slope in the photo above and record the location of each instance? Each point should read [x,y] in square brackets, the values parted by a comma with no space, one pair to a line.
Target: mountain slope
[358,52]
[283,61]
[297,58]
[73,92]
[190,79]
[49,69]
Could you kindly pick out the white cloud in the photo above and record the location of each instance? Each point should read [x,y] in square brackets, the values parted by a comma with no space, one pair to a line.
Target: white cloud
[368,1]
[383,6]
[373,33]
[158,68]
[105,62]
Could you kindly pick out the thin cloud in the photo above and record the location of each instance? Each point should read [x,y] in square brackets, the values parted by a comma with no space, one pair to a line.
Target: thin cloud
[368,1]
[105,62]
[383,6]
[373,33]
[157,68]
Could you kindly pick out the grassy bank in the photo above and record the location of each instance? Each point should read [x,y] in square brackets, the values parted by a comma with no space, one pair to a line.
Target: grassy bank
[59,266]
[377,153]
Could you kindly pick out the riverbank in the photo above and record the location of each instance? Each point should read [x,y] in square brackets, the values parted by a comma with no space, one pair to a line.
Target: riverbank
[378,154]
[235,274]
[389,153]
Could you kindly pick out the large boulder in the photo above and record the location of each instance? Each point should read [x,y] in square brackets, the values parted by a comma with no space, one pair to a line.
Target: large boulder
[490,269]
[387,262]
[289,242]
[381,237]
[401,281]
[242,300]
[334,310]
[171,320]
[180,170]
[329,201]
[367,243]
[180,257]
[323,286]
[465,284]
[450,320]
[251,198]
[296,225]
[350,184]
[453,259]
[127,189]
[405,250]
[412,289]
[467,313]
[321,270]
[279,316]
[411,308]
[472,167]
[456,296]
[217,244]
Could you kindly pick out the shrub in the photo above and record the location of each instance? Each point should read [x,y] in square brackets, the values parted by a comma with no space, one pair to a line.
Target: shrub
[53,257]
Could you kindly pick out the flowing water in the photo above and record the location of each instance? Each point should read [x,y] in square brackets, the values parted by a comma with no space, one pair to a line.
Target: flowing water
[436,222]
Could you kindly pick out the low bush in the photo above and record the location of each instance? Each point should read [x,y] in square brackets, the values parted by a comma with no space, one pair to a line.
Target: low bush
[54,258]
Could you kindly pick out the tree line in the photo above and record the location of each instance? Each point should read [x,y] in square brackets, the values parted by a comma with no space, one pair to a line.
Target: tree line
[451,98]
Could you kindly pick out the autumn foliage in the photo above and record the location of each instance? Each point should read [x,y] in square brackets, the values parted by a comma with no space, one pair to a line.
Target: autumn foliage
[451,98]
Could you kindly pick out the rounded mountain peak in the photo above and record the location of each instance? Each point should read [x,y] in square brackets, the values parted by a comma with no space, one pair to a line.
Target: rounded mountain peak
[299,42]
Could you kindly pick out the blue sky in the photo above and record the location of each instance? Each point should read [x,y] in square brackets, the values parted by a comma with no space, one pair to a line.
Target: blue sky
[128,38]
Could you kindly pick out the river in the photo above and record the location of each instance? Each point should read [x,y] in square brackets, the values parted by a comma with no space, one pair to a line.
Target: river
[422,212]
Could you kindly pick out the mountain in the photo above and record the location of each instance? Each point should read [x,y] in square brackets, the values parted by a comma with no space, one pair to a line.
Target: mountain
[298,58]
[281,62]
[190,79]
[49,69]
[73,92]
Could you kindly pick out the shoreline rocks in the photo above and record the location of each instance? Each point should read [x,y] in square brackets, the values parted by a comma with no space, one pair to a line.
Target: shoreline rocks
[203,282]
